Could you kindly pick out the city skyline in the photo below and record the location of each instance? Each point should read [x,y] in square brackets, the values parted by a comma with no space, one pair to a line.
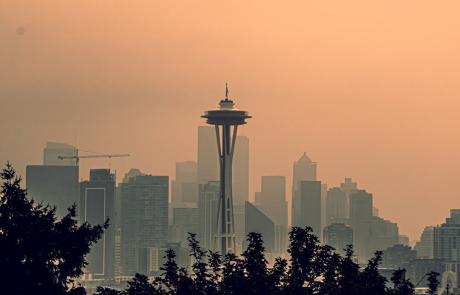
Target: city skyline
[369,94]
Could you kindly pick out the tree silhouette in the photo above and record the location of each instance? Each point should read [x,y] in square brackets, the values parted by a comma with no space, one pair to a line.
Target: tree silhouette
[433,283]
[402,286]
[40,254]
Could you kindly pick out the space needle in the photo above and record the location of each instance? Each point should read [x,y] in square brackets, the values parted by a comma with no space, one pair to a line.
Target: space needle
[227,117]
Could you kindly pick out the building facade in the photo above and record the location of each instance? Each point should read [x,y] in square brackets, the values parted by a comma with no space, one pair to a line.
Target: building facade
[303,170]
[144,219]
[97,204]
[208,157]
[338,235]
[208,202]
[240,190]
[54,185]
[308,206]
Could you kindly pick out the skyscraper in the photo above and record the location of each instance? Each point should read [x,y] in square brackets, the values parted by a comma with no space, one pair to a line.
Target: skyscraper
[144,219]
[446,243]
[360,207]
[338,235]
[185,187]
[97,204]
[241,171]
[227,117]
[55,149]
[424,247]
[309,206]
[208,158]
[323,206]
[207,213]
[256,221]
[303,170]
[185,221]
[54,185]
[273,199]
[348,186]
[336,206]
[187,171]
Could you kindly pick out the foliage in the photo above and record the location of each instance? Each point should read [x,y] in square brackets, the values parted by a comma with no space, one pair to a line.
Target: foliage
[313,268]
[43,255]
[40,254]
[402,286]
[433,283]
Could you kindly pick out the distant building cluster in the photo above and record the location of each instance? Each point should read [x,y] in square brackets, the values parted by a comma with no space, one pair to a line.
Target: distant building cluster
[149,214]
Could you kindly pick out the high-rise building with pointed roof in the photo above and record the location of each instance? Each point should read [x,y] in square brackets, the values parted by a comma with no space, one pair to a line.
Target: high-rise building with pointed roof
[303,170]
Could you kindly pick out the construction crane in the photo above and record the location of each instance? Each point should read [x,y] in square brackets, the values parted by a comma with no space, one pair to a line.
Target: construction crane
[77,158]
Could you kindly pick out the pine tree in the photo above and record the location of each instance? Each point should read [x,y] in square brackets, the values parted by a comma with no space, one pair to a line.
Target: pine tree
[40,254]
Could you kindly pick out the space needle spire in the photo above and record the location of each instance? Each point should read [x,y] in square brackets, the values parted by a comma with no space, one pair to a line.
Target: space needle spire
[226,120]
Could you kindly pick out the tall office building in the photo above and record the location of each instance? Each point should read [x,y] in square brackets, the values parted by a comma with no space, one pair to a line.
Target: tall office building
[240,227]
[348,186]
[184,192]
[241,171]
[272,202]
[424,247]
[336,206]
[185,221]
[208,157]
[446,240]
[97,204]
[360,207]
[256,221]
[187,171]
[55,149]
[273,199]
[144,219]
[54,185]
[185,187]
[338,235]
[208,201]
[323,206]
[360,215]
[308,208]
[303,170]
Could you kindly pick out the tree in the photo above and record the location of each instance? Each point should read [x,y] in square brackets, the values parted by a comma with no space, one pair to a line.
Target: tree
[140,285]
[108,291]
[371,280]
[255,266]
[433,283]
[348,280]
[40,254]
[401,285]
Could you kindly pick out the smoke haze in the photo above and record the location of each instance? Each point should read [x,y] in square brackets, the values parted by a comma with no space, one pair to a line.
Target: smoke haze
[369,89]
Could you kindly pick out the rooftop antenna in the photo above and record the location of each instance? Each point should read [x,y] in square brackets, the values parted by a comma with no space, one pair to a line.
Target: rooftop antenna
[226,91]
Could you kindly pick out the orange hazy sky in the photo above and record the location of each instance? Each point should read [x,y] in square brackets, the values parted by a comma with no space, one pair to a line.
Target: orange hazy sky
[369,89]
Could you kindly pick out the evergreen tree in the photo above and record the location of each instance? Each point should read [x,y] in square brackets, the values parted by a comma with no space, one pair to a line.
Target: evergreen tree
[40,254]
